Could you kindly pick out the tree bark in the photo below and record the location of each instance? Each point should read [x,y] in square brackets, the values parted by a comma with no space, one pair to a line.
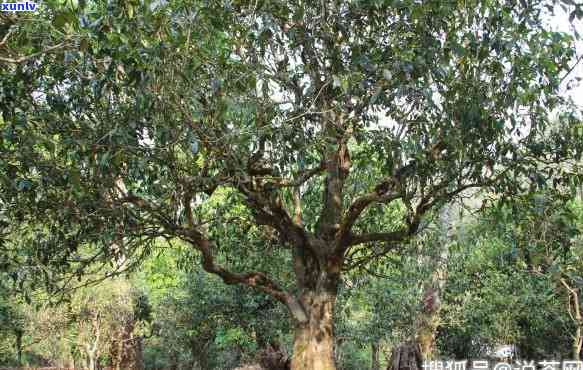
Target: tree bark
[138,350]
[574,310]
[173,360]
[91,351]
[313,347]
[91,361]
[272,357]
[406,356]
[19,334]
[375,361]
[577,344]
[428,321]
[199,353]
[410,355]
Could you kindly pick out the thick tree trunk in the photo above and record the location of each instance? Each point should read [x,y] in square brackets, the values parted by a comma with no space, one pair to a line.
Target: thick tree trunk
[410,355]
[313,347]
[428,321]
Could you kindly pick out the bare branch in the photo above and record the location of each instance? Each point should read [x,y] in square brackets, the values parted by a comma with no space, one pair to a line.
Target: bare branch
[413,220]
[300,179]
[388,237]
[33,55]
[191,234]
[269,210]
[571,69]
[353,263]
[575,311]
[359,205]
[5,38]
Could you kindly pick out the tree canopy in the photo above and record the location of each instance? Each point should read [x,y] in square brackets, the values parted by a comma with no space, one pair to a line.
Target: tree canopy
[331,130]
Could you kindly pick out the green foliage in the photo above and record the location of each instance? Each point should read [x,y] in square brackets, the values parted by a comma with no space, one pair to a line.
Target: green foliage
[199,320]
[511,261]
[161,101]
[12,324]
[279,145]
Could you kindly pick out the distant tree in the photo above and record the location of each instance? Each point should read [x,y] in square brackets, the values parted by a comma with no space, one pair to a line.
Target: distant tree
[106,323]
[92,325]
[528,255]
[125,120]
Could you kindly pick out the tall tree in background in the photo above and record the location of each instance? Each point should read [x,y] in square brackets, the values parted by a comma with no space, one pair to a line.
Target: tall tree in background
[127,119]
[518,254]
[422,344]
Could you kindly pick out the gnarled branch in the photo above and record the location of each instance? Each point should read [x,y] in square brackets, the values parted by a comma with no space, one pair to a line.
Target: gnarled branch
[256,280]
